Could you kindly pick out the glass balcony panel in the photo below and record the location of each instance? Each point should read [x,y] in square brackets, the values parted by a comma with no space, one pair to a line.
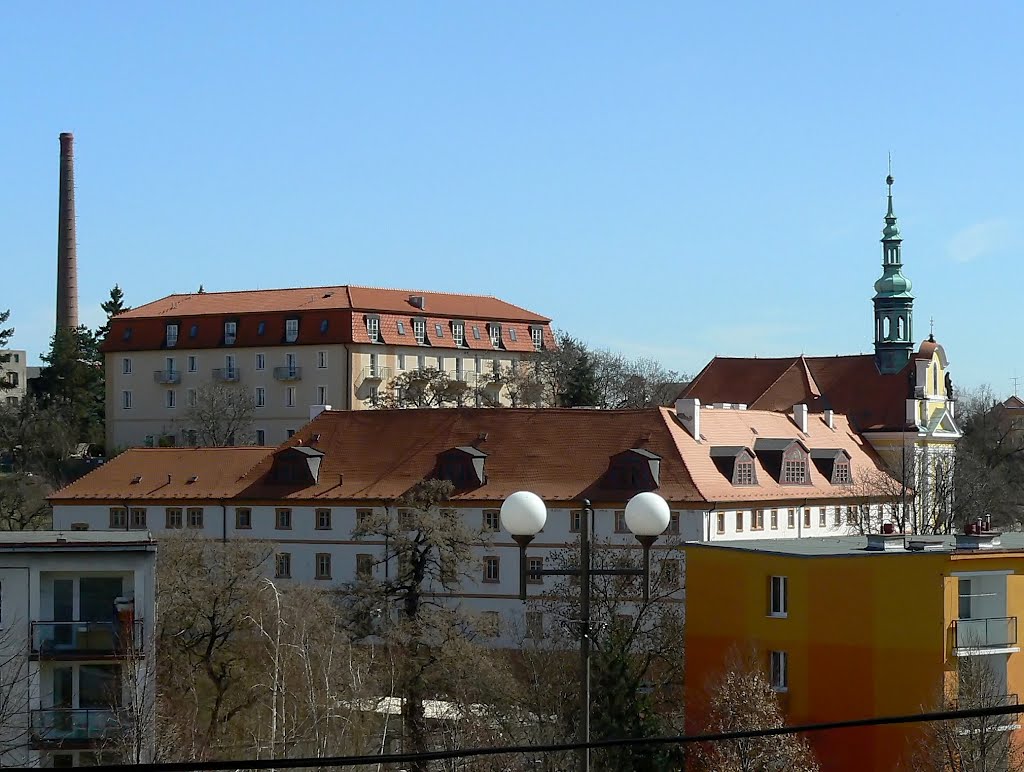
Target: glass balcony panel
[65,725]
[55,639]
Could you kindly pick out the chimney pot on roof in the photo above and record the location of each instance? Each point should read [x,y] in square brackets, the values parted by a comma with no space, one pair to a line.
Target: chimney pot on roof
[418,301]
[830,419]
[800,417]
[688,414]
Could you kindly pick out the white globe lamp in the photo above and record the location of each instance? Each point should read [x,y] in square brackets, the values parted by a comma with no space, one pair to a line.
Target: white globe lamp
[647,514]
[523,514]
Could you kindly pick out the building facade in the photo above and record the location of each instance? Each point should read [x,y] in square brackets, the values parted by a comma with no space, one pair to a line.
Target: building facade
[13,377]
[76,631]
[297,348]
[857,627]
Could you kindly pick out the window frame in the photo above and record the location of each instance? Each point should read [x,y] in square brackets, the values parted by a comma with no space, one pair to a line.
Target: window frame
[791,518]
[137,518]
[364,571]
[126,365]
[126,399]
[774,519]
[171,335]
[494,333]
[283,518]
[243,518]
[320,559]
[419,331]
[322,523]
[260,397]
[491,561]
[534,563]
[757,520]
[620,521]
[118,517]
[459,333]
[321,360]
[537,338]
[230,333]
[778,671]
[291,330]
[491,520]
[195,518]
[261,361]
[282,565]
[575,520]
[174,518]
[778,597]
[373,329]
[740,520]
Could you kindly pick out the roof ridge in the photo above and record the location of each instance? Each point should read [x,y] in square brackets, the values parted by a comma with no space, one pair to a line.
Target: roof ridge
[812,384]
[792,362]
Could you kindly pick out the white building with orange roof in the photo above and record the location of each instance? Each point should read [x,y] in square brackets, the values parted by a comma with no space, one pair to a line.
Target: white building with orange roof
[298,348]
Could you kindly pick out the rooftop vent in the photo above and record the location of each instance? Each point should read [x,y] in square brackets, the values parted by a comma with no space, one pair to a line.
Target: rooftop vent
[885,542]
[192,479]
[136,479]
[418,301]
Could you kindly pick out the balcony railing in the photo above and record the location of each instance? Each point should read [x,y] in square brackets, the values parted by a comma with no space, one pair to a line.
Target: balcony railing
[226,374]
[64,639]
[167,376]
[59,725]
[288,373]
[375,373]
[991,633]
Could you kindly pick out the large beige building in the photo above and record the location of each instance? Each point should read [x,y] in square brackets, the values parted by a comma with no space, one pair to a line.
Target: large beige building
[298,349]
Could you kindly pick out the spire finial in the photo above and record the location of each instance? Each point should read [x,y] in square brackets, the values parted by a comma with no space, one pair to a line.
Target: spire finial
[931,329]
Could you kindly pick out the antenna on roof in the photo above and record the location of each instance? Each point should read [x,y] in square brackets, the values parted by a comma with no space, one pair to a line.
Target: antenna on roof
[1014,380]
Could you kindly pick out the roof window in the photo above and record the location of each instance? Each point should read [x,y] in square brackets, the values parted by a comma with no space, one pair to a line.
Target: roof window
[419,329]
[127,334]
[324,324]
[512,333]
[261,328]
[736,463]
[635,469]
[291,330]
[476,332]
[463,467]
[401,328]
[537,334]
[193,330]
[438,331]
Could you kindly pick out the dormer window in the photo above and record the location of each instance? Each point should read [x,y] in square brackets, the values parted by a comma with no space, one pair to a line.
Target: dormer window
[261,328]
[785,459]
[459,333]
[230,333]
[419,329]
[794,471]
[495,330]
[834,465]
[635,469]
[744,474]
[172,335]
[841,475]
[463,467]
[537,335]
[736,463]
[291,330]
[373,328]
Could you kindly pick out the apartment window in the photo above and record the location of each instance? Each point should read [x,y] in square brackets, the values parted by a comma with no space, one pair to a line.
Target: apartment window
[791,519]
[373,328]
[794,471]
[364,566]
[118,517]
[673,524]
[138,517]
[779,671]
[127,334]
[289,397]
[537,336]
[492,520]
[492,569]
[192,364]
[807,518]
[720,517]
[620,522]
[744,474]
[261,328]
[173,517]
[495,331]
[323,565]
[243,518]
[193,330]
[170,398]
[283,519]
[321,395]
[291,330]
[230,332]
[323,519]
[321,360]
[535,625]
[836,517]
[195,517]
[401,361]
[126,366]
[534,564]
[363,518]
[459,333]
[172,335]
[778,603]
[261,396]
[283,565]
[821,517]
[261,361]
[261,437]
[851,515]
[324,324]
[757,520]
[575,520]
[289,433]
[126,400]
[841,475]
[775,519]
[419,330]
[406,519]
[739,520]
[440,363]
[438,331]
[670,572]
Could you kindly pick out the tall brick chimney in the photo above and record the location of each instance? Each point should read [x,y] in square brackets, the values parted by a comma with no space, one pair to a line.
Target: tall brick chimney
[67,257]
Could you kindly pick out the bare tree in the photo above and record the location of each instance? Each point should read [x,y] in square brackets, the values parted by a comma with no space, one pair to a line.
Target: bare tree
[221,416]
[742,699]
[14,693]
[23,504]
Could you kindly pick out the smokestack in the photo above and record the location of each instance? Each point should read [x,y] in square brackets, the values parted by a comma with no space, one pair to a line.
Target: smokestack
[67,257]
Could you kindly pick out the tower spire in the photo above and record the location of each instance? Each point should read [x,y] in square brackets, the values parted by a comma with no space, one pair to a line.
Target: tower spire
[894,321]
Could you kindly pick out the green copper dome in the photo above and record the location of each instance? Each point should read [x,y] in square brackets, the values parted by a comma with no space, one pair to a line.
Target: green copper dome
[893,284]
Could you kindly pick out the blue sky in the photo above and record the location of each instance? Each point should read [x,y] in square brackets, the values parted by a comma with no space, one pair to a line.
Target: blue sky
[670,179]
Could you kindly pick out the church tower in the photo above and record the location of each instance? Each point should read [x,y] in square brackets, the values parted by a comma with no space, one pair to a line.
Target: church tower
[894,305]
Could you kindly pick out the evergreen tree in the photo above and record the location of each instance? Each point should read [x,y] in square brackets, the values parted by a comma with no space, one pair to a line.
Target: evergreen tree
[581,388]
[72,378]
[112,307]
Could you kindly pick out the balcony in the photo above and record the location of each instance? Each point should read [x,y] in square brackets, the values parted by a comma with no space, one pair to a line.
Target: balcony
[167,376]
[984,636]
[226,374]
[85,640]
[375,374]
[64,725]
[288,373]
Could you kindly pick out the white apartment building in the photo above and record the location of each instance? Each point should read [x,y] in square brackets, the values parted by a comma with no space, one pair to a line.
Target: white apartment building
[308,495]
[13,376]
[76,633]
[296,348]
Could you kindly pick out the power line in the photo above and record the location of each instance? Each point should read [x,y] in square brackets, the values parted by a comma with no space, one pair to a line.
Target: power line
[398,758]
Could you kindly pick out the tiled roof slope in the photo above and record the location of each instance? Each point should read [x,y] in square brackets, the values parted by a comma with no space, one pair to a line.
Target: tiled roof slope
[851,385]
[560,454]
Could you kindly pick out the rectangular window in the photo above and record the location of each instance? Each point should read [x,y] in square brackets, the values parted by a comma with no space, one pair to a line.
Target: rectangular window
[778,604]
[459,333]
[261,397]
[401,361]
[126,400]
[323,519]
[964,598]
[406,520]
[851,515]
[373,329]
[575,520]
[321,360]
[261,437]
[779,671]
[537,335]
[118,517]
[720,524]
[673,524]
[492,569]
[283,519]
[512,333]
[476,332]
[794,472]
[173,517]
[821,517]
[744,473]
[807,518]
[170,398]
[261,361]
[191,398]
[364,566]
[739,521]
[842,474]
[195,517]
[791,519]
[438,331]
[243,518]
[230,332]
[193,365]
[138,517]
[283,565]
[775,519]
[836,517]
[492,520]
[534,564]
[323,565]
[535,625]
[758,522]
[401,328]
[363,519]
[126,366]
[419,329]
[172,335]
[495,331]
[321,395]
[620,522]
[289,397]
[291,330]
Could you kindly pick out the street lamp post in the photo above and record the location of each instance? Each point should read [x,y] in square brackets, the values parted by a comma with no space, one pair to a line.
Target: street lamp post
[523,515]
